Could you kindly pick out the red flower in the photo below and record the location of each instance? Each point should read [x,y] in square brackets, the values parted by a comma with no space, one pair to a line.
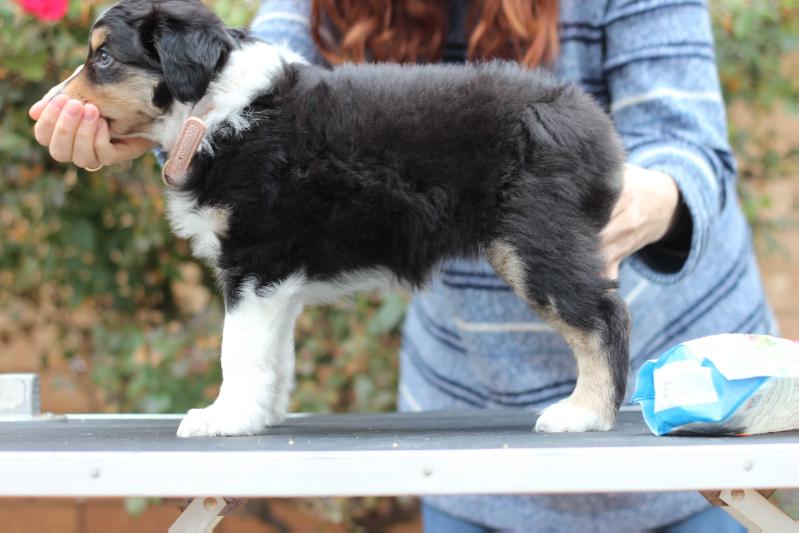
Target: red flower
[48,10]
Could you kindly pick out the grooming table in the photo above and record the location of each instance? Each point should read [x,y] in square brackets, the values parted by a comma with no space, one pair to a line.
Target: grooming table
[465,452]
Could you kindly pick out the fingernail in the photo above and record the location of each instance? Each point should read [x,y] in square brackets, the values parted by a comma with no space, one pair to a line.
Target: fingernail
[90,113]
[73,108]
[59,101]
[36,107]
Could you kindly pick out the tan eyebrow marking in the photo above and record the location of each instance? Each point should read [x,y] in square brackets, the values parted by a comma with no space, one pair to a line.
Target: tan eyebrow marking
[98,38]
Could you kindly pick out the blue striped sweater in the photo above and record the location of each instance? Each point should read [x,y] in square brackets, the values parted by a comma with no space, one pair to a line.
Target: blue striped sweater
[470,343]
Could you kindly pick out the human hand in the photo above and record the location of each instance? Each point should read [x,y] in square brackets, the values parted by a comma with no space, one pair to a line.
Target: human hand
[75,132]
[644,214]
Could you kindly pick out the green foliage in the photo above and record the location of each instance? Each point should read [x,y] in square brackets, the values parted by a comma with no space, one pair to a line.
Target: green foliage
[752,38]
[754,42]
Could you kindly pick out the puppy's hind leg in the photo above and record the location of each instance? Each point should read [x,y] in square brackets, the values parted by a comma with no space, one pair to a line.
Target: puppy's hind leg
[257,362]
[602,361]
[592,319]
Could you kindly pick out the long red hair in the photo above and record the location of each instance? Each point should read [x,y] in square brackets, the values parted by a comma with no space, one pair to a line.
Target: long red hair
[411,31]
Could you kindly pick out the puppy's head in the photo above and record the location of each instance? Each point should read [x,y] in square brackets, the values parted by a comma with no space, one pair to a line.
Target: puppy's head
[145,55]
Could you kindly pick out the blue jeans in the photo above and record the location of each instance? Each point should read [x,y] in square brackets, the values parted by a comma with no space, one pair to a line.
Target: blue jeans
[713,520]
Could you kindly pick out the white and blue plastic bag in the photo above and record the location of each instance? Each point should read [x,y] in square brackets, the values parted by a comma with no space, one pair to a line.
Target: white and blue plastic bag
[732,384]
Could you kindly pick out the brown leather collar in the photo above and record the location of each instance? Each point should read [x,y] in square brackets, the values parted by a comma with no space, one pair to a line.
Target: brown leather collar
[186,145]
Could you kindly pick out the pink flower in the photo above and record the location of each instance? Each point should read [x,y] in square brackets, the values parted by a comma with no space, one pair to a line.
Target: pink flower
[47,10]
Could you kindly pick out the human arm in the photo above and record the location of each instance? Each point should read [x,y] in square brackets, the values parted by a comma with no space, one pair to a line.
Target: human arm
[666,103]
[287,22]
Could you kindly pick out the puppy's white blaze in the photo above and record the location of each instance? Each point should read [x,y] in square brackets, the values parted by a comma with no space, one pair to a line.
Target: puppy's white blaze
[249,71]
[202,226]
[58,89]
[167,127]
[257,362]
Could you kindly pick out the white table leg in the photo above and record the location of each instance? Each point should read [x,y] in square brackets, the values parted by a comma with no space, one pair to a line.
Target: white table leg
[756,512]
[203,514]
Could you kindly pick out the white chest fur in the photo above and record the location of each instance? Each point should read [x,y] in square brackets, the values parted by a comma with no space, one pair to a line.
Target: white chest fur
[202,226]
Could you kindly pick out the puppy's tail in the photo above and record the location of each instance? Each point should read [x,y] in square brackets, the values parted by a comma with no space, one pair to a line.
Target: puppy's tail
[615,332]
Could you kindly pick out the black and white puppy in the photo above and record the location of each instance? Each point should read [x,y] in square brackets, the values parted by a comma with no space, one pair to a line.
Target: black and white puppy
[313,183]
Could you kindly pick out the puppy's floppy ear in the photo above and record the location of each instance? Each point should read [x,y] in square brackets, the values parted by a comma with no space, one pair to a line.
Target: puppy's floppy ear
[190,43]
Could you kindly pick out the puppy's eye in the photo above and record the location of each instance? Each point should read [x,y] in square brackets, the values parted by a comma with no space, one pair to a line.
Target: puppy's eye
[103,59]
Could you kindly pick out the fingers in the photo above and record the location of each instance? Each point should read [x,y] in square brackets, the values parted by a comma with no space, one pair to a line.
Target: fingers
[106,152]
[622,204]
[76,132]
[612,271]
[36,109]
[619,207]
[83,154]
[624,197]
[615,252]
[43,130]
[641,216]
[66,127]
[133,147]
[623,227]
[619,236]
[110,153]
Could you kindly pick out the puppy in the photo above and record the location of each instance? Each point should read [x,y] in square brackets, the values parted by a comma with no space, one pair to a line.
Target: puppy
[312,183]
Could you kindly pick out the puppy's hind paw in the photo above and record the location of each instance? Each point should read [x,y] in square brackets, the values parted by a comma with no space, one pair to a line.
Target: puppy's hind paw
[217,421]
[565,416]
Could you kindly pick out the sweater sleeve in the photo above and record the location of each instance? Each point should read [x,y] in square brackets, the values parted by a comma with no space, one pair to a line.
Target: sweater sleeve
[666,102]
[287,22]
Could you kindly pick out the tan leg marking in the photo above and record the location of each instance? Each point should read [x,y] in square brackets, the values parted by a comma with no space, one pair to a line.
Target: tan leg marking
[503,258]
[594,389]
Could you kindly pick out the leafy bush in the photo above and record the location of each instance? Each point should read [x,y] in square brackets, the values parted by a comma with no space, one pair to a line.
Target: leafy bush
[759,79]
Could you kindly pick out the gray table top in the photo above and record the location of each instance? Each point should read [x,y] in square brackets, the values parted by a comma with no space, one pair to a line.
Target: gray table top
[472,451]
[459,430]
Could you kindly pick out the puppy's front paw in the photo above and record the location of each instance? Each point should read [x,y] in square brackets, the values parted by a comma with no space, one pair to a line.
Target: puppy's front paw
[565,416]
[218,420]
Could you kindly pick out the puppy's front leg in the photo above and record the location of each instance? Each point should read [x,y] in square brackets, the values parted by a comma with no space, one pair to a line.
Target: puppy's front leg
[257,362]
